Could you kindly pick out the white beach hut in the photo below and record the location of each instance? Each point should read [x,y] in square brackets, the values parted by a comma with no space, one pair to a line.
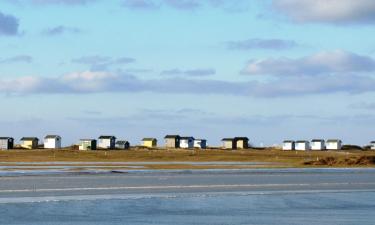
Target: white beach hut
[302,145]
[200,143]
[318,144]
[288,145]
[186,142]
[107,142]
[6,143]
[52,142]
[333,144]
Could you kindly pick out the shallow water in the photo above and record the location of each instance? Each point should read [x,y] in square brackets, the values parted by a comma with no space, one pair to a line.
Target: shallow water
[252,196]
[350,208]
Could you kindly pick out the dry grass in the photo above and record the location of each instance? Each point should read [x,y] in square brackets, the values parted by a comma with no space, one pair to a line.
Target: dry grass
[286,158]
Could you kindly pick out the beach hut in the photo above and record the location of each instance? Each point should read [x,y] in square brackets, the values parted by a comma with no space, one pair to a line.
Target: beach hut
[186,142]
[318,144]
[29,142]
[200,143]
[87,144]
[229,143]
[333,144]
[372,145]
[149,142]
[6,143]
[107,142]
[242,142]
[288,145]
[172,141]
[52,142]
[122,145]
[302,145]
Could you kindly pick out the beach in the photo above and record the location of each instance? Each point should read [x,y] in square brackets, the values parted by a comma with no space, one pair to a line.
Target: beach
[222,196]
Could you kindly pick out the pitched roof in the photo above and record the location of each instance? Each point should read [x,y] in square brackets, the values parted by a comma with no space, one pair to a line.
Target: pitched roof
[317,140]
[52,136]
[29,139]
[200,139]
[5,138]
[333,140]
[242,138]
[227,139]
[149,139]
[288,141]
[172,136]
[186,138]
[107,137]
[87,139]
[301,141]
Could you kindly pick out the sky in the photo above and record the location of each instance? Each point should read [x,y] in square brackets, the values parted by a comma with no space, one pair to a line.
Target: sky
[266,69]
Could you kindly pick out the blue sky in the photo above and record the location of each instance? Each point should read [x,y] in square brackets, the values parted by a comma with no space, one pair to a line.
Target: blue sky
[270,70]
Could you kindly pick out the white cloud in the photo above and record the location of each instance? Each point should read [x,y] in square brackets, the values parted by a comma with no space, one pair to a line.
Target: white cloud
[330,11]
[191,72]
[59,30]
[98,62]
[88,81]
[53,2]
[100,82]
[257,43]
[22,84]
[233,6]
[337,61]
[17,59]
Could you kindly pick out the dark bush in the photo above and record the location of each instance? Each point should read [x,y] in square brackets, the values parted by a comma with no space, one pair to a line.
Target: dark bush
[351,147]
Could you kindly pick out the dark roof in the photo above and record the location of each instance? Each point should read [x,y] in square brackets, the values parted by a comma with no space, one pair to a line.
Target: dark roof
[107,137]
[87,139]
[5,138]
[172,136]
[52,136]
[227,139]
[317,140]
[186,138]
[301,141]
[122,142]
[333,140]
[149,139]
[242,138]
[200,139]
[372,142]
[29,139]
[288,141]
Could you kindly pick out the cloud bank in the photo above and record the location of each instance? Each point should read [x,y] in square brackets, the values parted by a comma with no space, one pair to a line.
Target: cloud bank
[53,2]
[328,11]
[326,62]
[237,5]
[192,72]
[105,82]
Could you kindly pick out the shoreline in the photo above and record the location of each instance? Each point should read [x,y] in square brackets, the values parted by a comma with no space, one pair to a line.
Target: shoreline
[170,172]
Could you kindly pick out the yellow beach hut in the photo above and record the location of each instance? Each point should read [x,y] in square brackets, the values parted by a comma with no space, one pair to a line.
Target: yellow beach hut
[149,142]
[29,142]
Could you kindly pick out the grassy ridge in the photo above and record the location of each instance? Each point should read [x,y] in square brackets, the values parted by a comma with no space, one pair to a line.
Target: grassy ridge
[286,158]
